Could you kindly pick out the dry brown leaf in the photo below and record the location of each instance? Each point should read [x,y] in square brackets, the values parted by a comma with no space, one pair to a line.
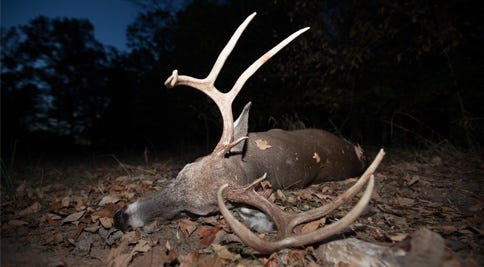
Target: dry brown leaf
[207,234]
[106,222]
[74,217]
[66,201]
[117,256]
[190,259]
[108,199]
[58,238]
[156,257]
[272,261]
[223,253]
[311,226]
[78,232]
[280,195]
[80,205]
[105,212]
[444,228]
[92,228]
[262,144]
[121,260]
[29,210]
[200,260]
[146,182]
[49,219]
[295,257]
[52,238]
[187,227]
[121,179]
[398,237]
[117,187]
[403,201]
[142,246]
[413,180]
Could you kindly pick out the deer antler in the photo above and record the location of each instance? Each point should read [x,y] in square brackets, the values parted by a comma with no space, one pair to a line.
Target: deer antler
[286,222]
[224,100]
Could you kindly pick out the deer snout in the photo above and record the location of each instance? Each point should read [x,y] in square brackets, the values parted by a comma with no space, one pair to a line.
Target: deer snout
[121,220]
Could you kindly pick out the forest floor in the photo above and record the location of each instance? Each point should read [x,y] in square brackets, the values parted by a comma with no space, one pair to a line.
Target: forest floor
[59,213]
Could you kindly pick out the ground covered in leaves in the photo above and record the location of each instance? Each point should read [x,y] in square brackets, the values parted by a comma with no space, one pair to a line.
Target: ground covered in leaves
[60,213]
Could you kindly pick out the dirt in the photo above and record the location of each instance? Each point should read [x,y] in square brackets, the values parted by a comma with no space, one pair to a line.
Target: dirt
[54,217]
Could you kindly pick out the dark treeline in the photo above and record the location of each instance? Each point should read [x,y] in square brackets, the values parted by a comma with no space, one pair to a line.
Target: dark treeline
[376,72]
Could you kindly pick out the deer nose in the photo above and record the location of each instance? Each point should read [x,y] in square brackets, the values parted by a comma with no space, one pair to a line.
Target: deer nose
[121,219]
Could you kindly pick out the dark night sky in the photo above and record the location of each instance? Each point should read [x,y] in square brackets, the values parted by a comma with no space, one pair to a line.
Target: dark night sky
[110,17]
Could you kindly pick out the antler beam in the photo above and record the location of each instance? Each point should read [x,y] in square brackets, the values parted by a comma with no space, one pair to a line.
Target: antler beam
[286,222]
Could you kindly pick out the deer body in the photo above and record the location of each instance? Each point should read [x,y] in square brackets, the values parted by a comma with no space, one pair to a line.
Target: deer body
[286,158]
[290,159]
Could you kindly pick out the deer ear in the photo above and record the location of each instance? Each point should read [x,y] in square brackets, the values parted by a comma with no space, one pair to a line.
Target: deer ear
[241,129]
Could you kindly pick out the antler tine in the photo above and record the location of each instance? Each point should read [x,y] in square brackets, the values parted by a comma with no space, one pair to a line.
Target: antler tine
[222,57]
[206,85]
[317,213]
[263,59]
[287,222]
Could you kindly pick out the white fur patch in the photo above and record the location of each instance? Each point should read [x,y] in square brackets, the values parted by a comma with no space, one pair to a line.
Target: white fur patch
[256,220]
[132,208]
[134,219]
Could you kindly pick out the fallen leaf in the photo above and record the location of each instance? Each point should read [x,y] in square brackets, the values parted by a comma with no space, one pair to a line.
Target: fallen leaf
[413,180]
[49,219]
[223,253]
[262,144]
[157,257]
[200,260]
[142,246]
[92,228]
[105,212]
[73,217]
[80,205]
[311,226]
[295,257]
[444,228]
[117,256]
[66,201]
[280,195]
[51,238]
[122,179]
[78,232]
[108,199]
[29,210]
[403,201]
[186,227]
[398,237]
[106,222]
[207,234]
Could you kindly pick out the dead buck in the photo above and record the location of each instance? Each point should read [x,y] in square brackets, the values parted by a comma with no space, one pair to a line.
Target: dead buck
[286,158]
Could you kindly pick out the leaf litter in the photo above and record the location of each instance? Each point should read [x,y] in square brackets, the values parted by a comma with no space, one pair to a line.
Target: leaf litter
[66,222]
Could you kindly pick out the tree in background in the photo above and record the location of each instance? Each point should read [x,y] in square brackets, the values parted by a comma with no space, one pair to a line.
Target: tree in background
[55,68]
